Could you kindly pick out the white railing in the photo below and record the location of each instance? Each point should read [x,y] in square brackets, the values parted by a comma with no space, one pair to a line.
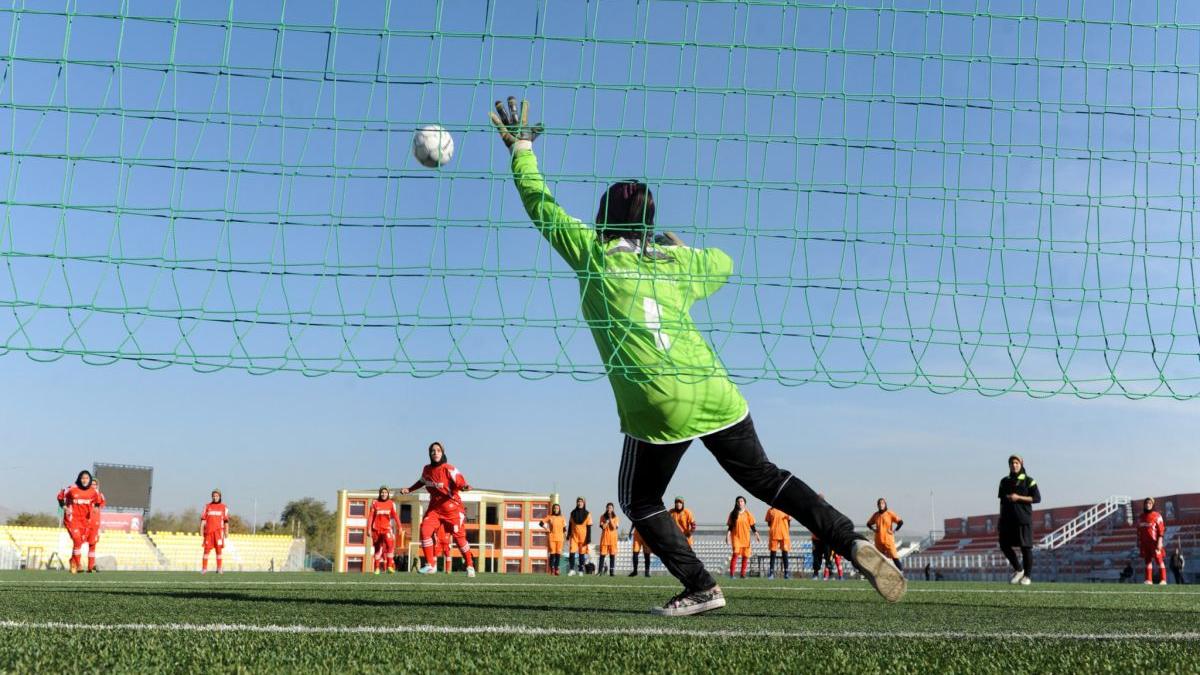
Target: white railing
[10,557]
[1083,522]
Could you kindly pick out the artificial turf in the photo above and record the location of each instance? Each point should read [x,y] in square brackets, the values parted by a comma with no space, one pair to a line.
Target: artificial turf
[48,622]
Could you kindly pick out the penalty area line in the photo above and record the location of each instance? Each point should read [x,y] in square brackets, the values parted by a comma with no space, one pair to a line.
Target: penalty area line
[503,629]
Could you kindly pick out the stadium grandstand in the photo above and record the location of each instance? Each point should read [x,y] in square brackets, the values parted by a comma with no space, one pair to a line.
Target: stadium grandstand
[49,548]
[1089,542]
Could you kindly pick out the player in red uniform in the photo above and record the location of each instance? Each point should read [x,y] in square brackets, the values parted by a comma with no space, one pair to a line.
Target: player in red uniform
[381,517]
[1151,532]
[93,531]
[214,529]
[81,502]
[443,482]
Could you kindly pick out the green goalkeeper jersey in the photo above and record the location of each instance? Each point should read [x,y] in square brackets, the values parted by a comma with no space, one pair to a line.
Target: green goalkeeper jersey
[668,383]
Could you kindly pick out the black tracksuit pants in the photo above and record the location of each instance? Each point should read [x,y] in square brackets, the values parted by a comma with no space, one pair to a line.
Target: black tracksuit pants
[647,468]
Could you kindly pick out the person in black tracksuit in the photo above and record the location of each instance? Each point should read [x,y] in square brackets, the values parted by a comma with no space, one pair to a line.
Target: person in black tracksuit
[1018,493]
[1177,565]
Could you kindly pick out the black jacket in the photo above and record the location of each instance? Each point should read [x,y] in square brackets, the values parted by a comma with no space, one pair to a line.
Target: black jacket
[1018,513]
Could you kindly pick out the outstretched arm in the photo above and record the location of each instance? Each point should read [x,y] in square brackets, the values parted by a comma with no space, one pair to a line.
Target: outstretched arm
[569,237]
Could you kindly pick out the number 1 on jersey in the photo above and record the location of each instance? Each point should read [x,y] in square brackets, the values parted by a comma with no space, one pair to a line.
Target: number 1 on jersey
[654,323]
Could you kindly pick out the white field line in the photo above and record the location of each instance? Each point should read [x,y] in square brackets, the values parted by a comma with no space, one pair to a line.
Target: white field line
[502,629]
[851,587]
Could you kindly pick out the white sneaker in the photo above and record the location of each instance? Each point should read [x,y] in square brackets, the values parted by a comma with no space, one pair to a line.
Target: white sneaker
[688,603]
[881,572]
[571,573]
[427,569]
[1025,581]
[1163,582]
[1017,577]
[1148,583]
[470,572]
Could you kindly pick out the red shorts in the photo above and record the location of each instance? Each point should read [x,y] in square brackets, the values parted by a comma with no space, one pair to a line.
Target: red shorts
[451,519]
[1150,552]
[84,535]
[214,541]
[384,542]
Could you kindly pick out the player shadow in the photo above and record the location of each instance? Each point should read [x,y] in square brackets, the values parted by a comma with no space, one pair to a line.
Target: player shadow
[355,602]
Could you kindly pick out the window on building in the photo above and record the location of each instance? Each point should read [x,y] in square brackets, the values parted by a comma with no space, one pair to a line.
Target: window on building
[493,516]
[539,539]
[406,513]
[512,539]
[512,565]
[514,511]
[354,564]
[356,535]
[539,510]
[357,507]
[472,511]
[539,565]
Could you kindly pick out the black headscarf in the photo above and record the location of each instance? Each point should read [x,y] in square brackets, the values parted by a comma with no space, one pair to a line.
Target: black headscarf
[79,480]
[579,514]
[733,514]
[443,460]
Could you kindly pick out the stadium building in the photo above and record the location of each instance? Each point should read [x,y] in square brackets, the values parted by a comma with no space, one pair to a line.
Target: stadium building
[508,540]
[1089,542]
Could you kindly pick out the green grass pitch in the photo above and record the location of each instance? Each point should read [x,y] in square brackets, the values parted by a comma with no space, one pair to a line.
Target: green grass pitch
[126,622]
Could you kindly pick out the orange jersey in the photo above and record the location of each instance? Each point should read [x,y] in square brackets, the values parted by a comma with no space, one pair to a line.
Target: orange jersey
[608,531]
[80,505]
[778,522]
[556,527]
[382,514]
[685,520]
[883,524]
[579,531]
[214,516]
[740,532]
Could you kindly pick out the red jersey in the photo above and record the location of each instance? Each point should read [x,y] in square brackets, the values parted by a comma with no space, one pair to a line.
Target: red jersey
[443,482]
[382,514]
[100,502]
[80,505]
[214,516]
[1151,529]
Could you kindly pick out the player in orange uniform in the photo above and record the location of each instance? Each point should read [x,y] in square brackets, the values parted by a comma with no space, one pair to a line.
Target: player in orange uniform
[609,522]
[579,537]
[1151,533]
[382,516]
[443,482]
[81,502]
[884,522]
[684,519]
[214,530]
[740,524]
[556,533]
[639,548]
[779,539]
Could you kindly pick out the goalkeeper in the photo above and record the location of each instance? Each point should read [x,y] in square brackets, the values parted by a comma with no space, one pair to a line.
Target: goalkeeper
[670,388]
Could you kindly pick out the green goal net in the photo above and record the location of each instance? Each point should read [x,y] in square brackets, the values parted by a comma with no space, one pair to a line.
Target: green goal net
[949,194]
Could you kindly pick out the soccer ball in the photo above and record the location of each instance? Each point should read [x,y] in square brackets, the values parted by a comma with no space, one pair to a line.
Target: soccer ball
[433,146]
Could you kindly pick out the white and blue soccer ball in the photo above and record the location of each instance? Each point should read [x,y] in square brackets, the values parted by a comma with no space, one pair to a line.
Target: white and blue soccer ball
[433,146]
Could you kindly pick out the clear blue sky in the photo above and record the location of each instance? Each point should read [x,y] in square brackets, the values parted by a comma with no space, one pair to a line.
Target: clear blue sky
[951,194]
